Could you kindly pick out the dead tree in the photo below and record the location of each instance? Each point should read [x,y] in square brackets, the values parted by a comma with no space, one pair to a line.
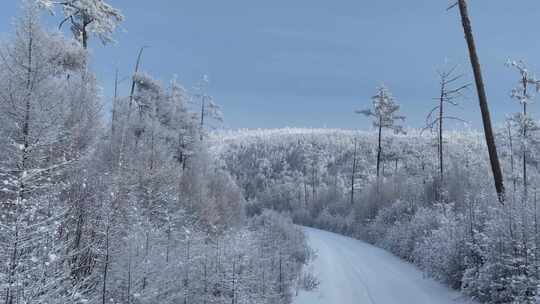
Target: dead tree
[482,99]
[451,89]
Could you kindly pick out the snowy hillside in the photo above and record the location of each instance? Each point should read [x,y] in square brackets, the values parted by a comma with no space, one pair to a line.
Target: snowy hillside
[436,210]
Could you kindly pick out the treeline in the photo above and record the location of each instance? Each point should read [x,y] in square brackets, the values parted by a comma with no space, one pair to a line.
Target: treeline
[133,210]
[455,230]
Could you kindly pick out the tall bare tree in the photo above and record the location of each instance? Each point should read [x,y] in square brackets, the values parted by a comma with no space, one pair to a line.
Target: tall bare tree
[482,99]
[451,89]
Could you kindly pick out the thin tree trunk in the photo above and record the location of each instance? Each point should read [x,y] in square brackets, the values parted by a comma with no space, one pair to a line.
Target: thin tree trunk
[186,283]
[379,153]
[482,98]
[536,235]
[280,276]
[84,32]
[203,105]
[379,149]
[137,65]
[441,164]
[205,279]
[168,249]
[306,198]
[146,261]
[114,116]
[233,281]
[106,266]
[129,277]
[511,146]
[524,146]
[313,181]
[353,171]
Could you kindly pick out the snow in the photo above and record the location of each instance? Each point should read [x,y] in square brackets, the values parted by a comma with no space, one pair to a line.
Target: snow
[352,272]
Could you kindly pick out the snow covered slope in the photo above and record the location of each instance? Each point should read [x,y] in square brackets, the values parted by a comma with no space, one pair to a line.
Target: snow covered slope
[353,272]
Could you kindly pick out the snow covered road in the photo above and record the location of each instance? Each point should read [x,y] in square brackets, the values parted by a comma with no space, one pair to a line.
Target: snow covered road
[353,272]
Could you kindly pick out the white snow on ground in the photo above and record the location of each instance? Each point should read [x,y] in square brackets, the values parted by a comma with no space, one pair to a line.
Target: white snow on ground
[354,272]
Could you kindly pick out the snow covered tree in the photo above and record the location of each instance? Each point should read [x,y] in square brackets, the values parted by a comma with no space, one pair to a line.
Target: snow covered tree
[385,116]
[33,104]
[209,109]
[87,17]
[524,95]
[140,212]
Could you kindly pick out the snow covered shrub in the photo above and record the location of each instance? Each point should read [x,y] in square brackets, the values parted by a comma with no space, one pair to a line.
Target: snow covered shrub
[404,235]
[441,254]
[328,221]
[505,270]
[283,252]
[388,217]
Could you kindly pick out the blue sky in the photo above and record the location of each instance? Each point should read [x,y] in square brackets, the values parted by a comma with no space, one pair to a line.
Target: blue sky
[311,63]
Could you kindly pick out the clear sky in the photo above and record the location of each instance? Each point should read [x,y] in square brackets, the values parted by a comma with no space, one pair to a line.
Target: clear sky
[311,63]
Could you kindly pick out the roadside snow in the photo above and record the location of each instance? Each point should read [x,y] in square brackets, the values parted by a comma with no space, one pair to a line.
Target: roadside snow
[354,272]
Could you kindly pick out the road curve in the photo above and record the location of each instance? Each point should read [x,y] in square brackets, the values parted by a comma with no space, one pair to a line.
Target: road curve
[354,272]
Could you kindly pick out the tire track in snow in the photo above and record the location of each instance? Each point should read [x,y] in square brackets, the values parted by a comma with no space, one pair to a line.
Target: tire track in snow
[354,272]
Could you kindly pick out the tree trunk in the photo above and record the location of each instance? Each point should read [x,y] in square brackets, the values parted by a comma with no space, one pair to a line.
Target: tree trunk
[306,198]
[84,32]
[379,150]
[203,105]
[233,281]
[114,121]
[353,175]
[441,164]
[313,182]
[137,65]
[482,98]
[379,153]
[106,266]
[536,234]
[511,146]
[128,290]
[524,146]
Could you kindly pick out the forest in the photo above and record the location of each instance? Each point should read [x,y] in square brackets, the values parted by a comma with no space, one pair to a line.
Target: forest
[138,200]
[120,207]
